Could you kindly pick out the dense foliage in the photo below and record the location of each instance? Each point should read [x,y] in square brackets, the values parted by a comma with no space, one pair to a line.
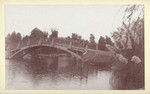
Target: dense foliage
[129,50]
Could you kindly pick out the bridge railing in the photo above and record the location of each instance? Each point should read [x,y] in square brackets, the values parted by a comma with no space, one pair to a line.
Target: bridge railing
[43,41]
[34,41]
[12,46]
[79,45]
[28,42]
[67,42]
[47,41]
[62,41]
[22,43]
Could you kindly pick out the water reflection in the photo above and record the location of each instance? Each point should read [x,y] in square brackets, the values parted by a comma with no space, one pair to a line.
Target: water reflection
[65,72]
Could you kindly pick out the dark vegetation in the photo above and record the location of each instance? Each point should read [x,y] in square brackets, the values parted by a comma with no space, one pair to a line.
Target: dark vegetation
[128,70]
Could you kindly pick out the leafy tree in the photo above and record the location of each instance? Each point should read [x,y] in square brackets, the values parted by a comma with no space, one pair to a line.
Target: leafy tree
[54,34]
[92,38]
[129,49]
[25,37]
[18,37]
[92,44]
[36,33]
[101,43]
[79,38]
[68,37]
[12,40]
[74,36]
[7,40]
[45,35]
[85,43]
[108,40]
[13,36]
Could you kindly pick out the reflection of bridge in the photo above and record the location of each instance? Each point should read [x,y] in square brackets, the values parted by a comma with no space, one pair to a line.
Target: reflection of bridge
[75,48]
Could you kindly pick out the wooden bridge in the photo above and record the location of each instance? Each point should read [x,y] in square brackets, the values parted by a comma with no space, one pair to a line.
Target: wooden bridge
[69,46]
[74,48]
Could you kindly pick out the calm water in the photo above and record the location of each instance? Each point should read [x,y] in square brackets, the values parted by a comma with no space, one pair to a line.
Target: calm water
[63,72]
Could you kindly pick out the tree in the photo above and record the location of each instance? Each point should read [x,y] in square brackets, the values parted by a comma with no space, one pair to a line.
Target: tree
[36,33]
[108,40]
[12,40]
[92,44]
[101,43]
[74,36]
[68,37]
[7,40]
[45,35]
[92,38]
[54,34]
[18,37]
[129,50]
[79,38]
[25,37]
[13,36]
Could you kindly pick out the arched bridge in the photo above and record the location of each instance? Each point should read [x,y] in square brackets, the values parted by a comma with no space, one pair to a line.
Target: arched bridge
[72,47]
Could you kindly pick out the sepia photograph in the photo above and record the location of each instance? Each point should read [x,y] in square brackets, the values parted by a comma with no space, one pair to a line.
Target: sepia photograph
[74,47]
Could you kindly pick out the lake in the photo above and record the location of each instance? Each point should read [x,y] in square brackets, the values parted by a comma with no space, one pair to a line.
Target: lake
[64,73]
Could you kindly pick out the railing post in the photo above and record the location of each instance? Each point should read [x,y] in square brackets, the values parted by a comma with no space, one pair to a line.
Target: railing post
[96,46]
[70,45]
[40,41]
[18,45]
[53,42]
[86,47]
[28,43]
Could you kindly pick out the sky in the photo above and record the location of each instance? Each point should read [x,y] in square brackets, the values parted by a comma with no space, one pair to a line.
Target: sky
[99,20]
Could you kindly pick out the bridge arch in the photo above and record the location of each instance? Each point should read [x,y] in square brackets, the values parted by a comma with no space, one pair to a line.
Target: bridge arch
[33,47]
